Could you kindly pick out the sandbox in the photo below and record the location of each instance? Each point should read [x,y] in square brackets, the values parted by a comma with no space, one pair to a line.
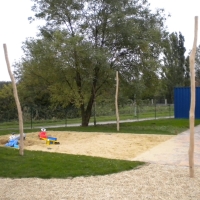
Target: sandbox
[107,145]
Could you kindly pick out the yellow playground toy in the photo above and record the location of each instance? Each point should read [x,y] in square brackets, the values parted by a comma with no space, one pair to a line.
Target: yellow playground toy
[49,140]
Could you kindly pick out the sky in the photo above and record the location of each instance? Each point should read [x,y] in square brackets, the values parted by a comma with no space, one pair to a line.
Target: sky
[15,27]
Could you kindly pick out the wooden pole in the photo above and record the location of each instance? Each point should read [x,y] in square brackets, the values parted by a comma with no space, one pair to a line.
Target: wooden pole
[116,100]
[21,146]
[192,100]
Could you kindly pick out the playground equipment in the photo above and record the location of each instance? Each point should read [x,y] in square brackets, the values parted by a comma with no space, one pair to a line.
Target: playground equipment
[42,135]
[16,137]
[14,140]
[12,143]
[49,140]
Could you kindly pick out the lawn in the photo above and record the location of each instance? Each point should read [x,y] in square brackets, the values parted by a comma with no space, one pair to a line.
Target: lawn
[157,126]
[54,165]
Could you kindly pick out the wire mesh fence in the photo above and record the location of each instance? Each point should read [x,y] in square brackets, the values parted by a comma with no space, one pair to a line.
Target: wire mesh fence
[43,116]
[132,110]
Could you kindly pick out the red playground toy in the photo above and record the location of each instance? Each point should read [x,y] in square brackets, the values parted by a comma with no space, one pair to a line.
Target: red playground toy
[42,135]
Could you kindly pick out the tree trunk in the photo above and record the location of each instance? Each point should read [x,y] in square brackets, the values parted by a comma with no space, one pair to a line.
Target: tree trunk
[192,103]
[86,113]
[21,147]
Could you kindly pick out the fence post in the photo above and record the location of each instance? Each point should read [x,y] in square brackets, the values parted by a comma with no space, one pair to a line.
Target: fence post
[65,117]
[169,111]
[95,122]
[135,110]
[155,109]
[31,117]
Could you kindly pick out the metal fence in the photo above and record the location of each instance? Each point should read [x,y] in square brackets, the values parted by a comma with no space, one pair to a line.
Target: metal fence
[43,116]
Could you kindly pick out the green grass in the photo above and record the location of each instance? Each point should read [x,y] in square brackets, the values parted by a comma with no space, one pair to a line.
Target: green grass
[54,165]
[158,126]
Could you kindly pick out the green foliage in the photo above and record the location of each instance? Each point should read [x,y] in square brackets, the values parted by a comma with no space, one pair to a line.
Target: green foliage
[7,103]
[2,83]
[197,66]
[187,72]
[175,66]
[54,165]
[32,83]
[81,46]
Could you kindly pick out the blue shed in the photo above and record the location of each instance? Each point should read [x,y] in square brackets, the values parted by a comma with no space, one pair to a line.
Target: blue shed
[182,102]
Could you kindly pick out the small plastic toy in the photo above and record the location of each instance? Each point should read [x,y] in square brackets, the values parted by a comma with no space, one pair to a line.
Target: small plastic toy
[49,140]
[16,137]
[42,135]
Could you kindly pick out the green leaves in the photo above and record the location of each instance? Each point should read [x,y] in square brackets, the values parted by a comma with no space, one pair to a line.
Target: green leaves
[8,109]
[197,65]
[84,42]
[175,70]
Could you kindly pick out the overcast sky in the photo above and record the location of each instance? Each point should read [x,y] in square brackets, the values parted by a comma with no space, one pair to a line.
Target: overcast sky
[15,27]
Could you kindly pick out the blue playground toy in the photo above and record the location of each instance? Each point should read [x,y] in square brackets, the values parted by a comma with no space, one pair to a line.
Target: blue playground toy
[13,140]
[12,143]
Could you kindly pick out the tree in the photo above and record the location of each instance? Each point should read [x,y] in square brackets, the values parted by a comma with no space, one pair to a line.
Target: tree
[2,83]
[187,71]
[57,73]
[84,42]
[7,103]
[33,88]
[197,66]
[175,66]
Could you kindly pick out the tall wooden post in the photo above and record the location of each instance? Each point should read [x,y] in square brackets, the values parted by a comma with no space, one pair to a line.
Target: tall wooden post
[21,148]
[192,101]
[116,100]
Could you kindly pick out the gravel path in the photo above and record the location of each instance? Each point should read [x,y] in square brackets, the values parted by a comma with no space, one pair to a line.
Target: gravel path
[152,182]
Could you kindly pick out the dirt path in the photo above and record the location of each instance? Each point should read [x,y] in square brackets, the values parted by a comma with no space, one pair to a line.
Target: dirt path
[116,146]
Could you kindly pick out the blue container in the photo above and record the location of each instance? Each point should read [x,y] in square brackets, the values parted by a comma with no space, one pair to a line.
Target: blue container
[182,102]
[52,138]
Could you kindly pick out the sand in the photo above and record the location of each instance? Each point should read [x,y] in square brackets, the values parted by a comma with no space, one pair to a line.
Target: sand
[107,145]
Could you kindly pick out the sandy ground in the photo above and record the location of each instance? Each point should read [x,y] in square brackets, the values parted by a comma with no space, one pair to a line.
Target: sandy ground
[114,145]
